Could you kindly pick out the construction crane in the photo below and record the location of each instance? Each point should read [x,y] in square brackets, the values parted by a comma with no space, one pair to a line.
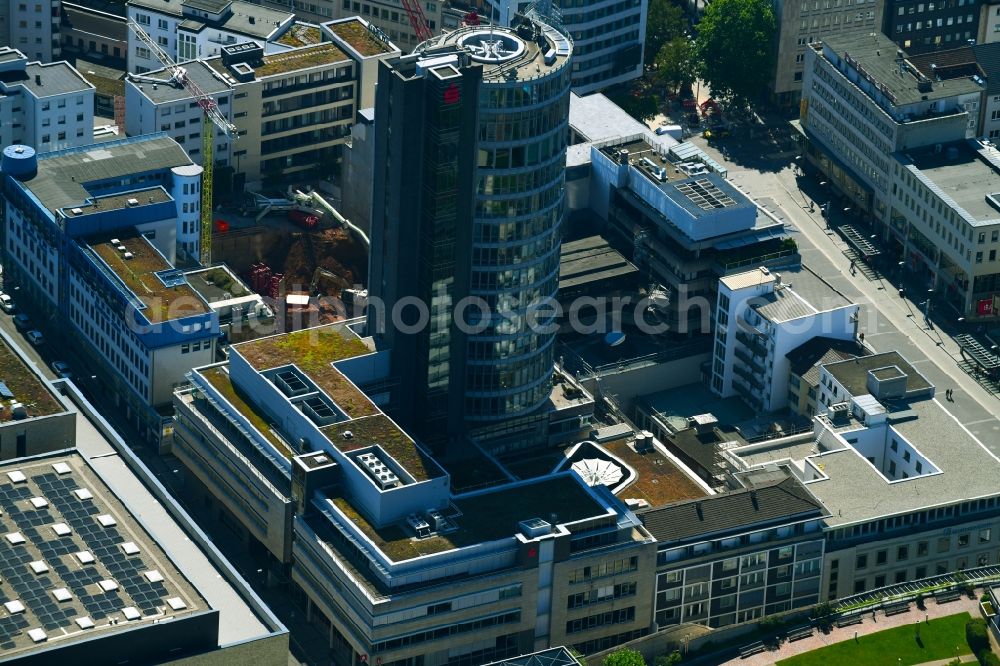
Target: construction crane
[418,20]
[213,116]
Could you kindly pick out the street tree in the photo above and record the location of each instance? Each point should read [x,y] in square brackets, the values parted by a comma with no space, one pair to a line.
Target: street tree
[735,49]
[664,21]
[624,657]
[676,64]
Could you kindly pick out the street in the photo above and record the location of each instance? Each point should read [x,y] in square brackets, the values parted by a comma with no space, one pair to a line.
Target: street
[888,321]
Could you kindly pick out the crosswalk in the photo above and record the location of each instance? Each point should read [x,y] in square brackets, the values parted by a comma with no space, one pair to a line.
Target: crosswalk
[975,576]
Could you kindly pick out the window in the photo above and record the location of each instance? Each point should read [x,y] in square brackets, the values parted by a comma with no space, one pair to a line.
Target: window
[879,581]
[921,549]
[901,576]
[902,553]
[881,557]
[944,544]
[861,562]
[984,535]
[963,540]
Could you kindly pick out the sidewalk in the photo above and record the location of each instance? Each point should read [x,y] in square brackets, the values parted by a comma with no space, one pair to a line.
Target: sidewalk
[868,626]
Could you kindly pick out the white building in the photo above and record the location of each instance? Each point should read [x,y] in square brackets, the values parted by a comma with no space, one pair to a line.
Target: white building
[293,110]
[761,316]
[607,37]
[91,239]
[863,100]
[32,26]
[47,107]
[200,28]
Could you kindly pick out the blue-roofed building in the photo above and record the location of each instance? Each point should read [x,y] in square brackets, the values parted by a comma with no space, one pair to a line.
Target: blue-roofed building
[92,240]
[672,208]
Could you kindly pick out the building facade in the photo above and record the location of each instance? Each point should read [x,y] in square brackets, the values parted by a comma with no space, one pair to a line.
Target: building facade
[32,28]
[761,317]
[293,112]
[516,133]
[801,24]
[740,555]
[199,29]
[863,101]
[91,238]
[381,553]
[683,221]
[45,106]
[608,38]
[922,27]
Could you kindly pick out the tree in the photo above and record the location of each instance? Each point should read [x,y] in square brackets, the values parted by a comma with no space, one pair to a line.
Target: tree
[624,657]
[675,63]
[671,659]
[664,21]
[977,635]
[735,49]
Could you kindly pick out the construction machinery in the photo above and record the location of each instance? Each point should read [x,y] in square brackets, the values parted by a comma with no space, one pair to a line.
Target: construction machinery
[418,20]
[210,109]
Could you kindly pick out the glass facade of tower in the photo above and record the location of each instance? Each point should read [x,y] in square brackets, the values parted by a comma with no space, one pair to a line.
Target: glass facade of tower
[516,238]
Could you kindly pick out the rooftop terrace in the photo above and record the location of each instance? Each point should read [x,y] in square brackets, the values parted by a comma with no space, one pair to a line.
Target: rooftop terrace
[853,374]
[74,561]
[854,491]
[382,431]
[358,36]
[486,517]
[24,386]
[139,273]
[876,55]
[659,480]
[299,59]
[301,34]
[218,377]
[314,350]
[963,172]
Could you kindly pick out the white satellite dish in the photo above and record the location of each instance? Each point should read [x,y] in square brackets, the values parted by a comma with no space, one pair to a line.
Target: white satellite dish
[597,472]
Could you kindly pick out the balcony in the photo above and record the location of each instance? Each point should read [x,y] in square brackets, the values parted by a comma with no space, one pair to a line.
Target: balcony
[753,362]
[751,380]
[753,343]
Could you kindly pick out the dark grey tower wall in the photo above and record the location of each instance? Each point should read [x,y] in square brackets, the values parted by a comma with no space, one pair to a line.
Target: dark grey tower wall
[422,219]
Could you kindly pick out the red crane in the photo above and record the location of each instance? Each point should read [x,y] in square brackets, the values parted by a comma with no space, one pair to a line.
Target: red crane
[418,20]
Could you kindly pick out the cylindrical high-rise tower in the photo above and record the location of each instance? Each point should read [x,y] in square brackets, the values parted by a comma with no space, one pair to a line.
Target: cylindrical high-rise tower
[521,161]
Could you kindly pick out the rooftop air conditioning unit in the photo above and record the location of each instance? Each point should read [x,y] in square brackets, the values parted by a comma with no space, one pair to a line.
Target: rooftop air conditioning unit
[132,202]
[121,248]
[347,434]
[128,255]
[115,241]
[77,211]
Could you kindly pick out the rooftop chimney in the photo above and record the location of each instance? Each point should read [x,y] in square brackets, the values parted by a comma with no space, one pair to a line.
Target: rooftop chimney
[38,79]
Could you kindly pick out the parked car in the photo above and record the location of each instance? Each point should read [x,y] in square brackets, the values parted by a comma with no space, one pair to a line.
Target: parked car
[22,322]
[6,303]
[304,219]
[62,369]
[35,337]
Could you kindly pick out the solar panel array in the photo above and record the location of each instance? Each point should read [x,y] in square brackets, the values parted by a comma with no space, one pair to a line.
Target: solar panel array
[67,559]
[704,194]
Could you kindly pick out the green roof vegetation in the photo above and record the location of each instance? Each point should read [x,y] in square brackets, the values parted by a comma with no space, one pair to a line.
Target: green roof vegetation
[380,430]
[139,275]
[313,350]
[486,517]
[941,638]
[659,480]
[304,58]
[358,35]
[301,35]
[219,379]
[27,388]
